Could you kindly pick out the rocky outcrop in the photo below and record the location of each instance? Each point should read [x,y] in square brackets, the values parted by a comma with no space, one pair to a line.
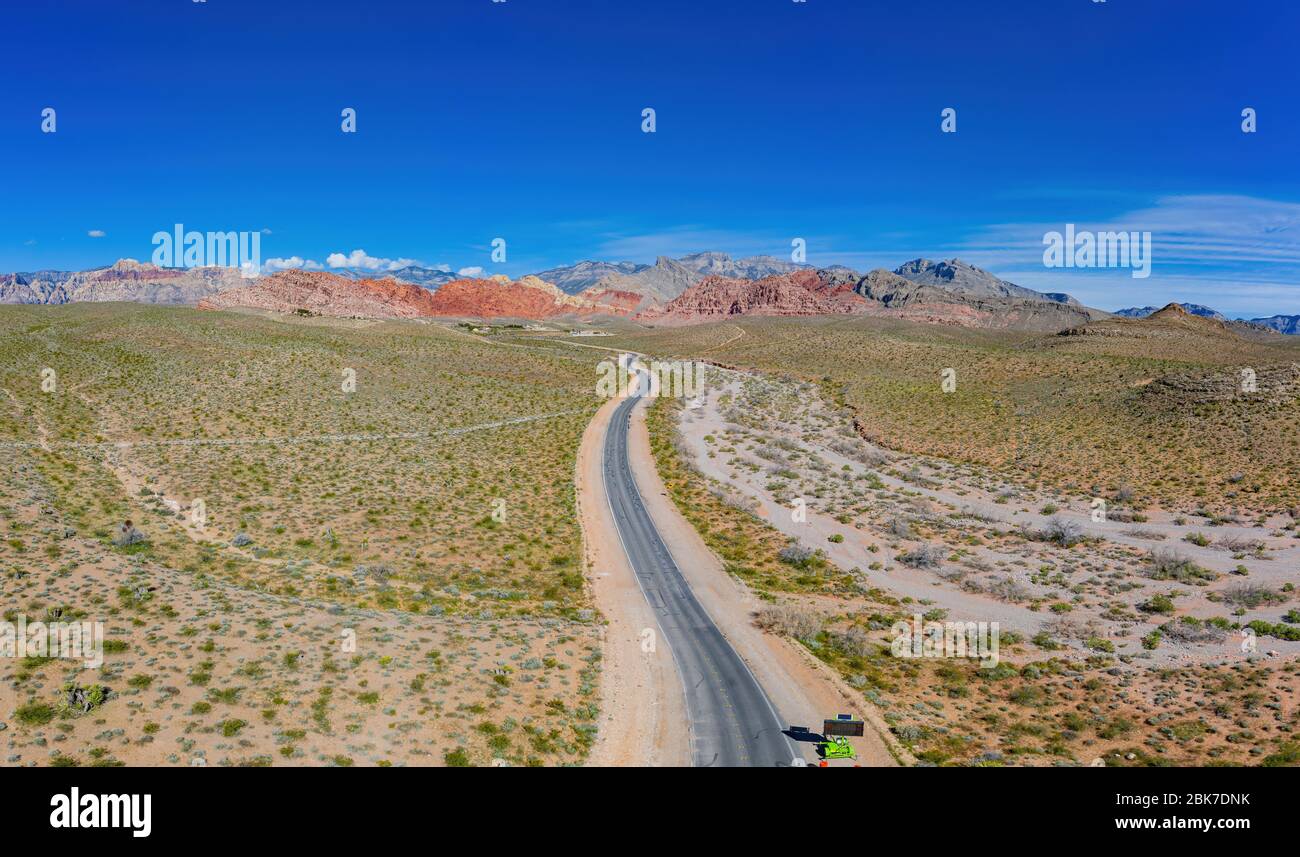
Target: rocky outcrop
[724,297]
[31,289]
[666,278]
[1168,321]
[430,278]
[896,296]
[656,284]
[957,276]
[714,264]
[126,280]
[572,279]
[616,302]
[319,293]
[1272,384]
[1145,311]
[499,297]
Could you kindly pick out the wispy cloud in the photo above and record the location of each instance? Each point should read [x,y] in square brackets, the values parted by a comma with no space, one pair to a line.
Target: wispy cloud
[1239,254]
[684,240]
[96,233]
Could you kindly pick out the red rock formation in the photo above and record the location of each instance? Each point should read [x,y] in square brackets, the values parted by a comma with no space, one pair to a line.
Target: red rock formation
[327,294]
[804,292]
[332,295]
[615,301]
[527,297]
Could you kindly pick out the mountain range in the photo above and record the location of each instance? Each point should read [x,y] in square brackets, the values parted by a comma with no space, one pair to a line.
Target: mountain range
[125,280]
[1288,324]
[696,287]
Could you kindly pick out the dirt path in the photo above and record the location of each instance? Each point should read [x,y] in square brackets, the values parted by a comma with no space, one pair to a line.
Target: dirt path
[740,331]
[803,690]
[643,710]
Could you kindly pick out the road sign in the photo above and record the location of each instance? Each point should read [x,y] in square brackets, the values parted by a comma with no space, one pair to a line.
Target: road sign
[843,725]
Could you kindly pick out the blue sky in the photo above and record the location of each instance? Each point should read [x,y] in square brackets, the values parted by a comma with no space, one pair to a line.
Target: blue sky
[775,120]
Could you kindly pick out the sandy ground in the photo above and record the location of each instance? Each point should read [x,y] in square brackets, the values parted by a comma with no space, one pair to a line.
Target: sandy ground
[853,551]
[643,710]
[803,690]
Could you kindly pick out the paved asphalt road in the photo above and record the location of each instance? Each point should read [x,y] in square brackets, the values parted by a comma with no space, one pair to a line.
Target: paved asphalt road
[733,723]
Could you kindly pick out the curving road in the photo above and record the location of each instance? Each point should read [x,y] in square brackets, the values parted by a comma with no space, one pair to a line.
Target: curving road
[732,721]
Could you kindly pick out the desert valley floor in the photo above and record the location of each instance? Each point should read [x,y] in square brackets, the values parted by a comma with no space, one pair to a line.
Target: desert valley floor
[357,542]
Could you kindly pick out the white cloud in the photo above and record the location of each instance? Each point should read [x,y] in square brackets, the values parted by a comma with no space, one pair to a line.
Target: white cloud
[96,233]
[278,264]
[472,271]
[361,259]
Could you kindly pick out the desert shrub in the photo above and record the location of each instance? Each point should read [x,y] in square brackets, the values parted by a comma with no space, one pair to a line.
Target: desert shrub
[34,714]
[796,555]
[852,641]
[1158,604]
[1009,589]
[790,621]
[1063,532]
[1164,564]
[925,556]
[900,527]
[1269,629]
[1189,629]
[1238,544]
[1252,595]
[858,451]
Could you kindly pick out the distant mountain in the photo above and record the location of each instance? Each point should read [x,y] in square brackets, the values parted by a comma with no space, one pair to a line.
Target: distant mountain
[31,288]
[574,278]
[946,292]
[429,278]
[657,283]
[750,268]
[1194,309]
[125,280]
[1288,324]
[666,278]
[716,297]
[981,301]
[957,276]
[878,293]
